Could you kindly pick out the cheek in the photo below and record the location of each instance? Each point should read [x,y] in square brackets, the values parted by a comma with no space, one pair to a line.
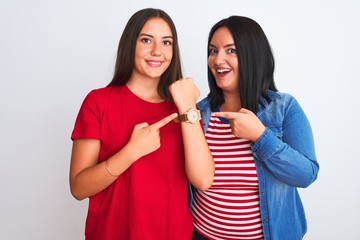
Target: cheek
[210,62]
[234,63]
[210,65]
[169,55]
[139,56]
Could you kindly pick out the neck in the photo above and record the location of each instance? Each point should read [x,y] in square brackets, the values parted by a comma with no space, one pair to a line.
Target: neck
[146,90]
[231,103]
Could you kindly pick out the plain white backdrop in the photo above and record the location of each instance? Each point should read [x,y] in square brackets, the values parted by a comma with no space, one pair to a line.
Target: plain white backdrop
[52,53]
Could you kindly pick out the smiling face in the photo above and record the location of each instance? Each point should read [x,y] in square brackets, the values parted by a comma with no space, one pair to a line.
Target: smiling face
[154,50]
[223,61]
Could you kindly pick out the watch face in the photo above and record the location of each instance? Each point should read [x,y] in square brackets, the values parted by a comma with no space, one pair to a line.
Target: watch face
[193,115]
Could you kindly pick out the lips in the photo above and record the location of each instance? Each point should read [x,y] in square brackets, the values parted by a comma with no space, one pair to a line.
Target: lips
[221,72]
[154,64]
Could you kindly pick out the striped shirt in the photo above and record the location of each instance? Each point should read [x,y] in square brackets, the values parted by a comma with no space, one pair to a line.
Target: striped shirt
[230,208]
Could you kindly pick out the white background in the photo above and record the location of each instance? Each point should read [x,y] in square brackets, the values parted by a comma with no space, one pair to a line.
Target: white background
[52,53]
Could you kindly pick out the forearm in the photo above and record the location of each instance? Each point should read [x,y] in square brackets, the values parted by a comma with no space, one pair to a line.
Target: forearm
[90,181]
[96,177]
[293,167]
[199,164]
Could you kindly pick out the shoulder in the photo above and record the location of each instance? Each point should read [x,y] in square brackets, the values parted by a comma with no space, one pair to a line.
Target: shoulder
[106,90]
[97,99]
[281,98]
[282,104]
[278,95]
[104,93]
[95,93]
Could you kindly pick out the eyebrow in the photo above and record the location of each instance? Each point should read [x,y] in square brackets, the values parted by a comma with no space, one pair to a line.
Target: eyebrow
[227,45]
[149,35]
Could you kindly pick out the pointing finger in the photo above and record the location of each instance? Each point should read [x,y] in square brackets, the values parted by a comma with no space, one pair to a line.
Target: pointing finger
[228,115]
[164,121]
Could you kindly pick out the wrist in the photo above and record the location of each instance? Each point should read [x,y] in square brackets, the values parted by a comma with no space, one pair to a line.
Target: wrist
[128,154]
[184,107]
[260,133]
[191,115]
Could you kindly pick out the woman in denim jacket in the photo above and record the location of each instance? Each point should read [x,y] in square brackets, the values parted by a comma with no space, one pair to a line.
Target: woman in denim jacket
[261,141]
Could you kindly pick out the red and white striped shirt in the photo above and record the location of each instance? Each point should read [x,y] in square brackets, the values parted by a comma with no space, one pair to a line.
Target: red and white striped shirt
[230,208]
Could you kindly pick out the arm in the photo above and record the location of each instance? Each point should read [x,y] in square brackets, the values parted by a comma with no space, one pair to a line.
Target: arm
[199,164]
[88,177]
[290,157]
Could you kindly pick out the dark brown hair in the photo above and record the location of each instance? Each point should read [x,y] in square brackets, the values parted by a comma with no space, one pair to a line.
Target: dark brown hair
[256,63]
[125,59]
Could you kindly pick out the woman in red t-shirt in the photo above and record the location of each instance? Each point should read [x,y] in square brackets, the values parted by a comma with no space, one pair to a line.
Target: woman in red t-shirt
[129,156]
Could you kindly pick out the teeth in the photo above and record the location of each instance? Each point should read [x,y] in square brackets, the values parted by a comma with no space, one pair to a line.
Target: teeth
[222,70]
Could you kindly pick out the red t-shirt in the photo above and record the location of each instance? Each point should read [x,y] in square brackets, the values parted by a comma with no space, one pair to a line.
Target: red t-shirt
[149,200]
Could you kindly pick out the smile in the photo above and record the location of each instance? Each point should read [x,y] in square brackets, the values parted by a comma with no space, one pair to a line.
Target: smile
[222,71]
[154,63]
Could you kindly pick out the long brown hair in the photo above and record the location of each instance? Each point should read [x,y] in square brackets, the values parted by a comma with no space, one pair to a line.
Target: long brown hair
[125,59]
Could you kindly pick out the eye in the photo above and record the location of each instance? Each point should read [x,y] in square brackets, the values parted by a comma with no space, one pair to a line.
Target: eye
[232,51]
[213,51]
[145,40]
[167,43]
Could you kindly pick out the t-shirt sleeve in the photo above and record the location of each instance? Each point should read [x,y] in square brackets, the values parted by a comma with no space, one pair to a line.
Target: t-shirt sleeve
[88,121]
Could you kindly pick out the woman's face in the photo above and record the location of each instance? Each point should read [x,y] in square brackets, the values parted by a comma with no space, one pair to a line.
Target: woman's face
[223,61]
[154,50]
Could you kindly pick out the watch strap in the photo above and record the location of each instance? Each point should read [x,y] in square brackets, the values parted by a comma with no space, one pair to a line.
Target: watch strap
[182,117]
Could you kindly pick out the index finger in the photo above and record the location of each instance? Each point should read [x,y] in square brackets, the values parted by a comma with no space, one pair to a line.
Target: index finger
[164,121]
[228,115]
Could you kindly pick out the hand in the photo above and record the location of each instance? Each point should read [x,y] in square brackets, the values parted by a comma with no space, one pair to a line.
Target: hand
[244,124]
[145,138]
[185,93]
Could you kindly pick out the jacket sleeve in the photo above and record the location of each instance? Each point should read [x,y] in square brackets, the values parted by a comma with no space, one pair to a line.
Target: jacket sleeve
[287,148]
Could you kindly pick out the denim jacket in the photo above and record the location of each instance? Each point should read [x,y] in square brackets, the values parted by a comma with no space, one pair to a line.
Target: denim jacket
[285,159]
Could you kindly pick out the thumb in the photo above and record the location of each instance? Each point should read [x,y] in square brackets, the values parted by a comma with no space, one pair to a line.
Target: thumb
[244,110]
[141,125]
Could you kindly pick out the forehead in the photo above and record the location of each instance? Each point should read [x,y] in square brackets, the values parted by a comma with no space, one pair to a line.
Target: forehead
[156,26]
[222,36]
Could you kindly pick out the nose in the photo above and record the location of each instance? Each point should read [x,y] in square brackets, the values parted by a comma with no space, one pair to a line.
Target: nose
[220,57]
[155,51]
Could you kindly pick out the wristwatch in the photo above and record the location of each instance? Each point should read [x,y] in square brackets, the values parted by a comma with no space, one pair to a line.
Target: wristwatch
[191,116]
